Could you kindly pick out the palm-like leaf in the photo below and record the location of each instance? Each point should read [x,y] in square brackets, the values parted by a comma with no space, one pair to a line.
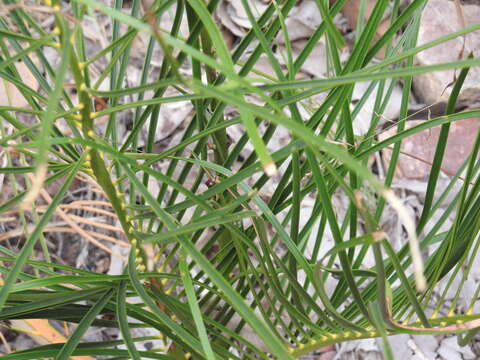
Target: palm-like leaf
[240,264]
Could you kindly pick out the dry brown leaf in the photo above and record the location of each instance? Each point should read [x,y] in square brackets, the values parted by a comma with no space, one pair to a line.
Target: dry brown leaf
[238,14]
[9,94]
[351,11]
[40,331]
[43,333]
[301,22]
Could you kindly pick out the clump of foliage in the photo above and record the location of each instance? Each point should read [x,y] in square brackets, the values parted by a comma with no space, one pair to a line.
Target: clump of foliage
[206,280]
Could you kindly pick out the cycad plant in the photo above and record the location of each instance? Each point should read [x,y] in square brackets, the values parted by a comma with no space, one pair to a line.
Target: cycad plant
[223,261]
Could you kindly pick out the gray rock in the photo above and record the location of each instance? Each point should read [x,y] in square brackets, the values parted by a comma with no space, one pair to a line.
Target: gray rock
[424,347]
[440,18]
[450,350]
[418,150]
[399,346]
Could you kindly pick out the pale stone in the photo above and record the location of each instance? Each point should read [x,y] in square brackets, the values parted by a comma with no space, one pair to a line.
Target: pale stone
[362,122]
[418,150]
[424,346]
[329,355]
[441,18]
[450,350]
[398,345]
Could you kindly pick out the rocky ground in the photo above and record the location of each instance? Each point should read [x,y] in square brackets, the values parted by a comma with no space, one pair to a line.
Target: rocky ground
[428,98]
